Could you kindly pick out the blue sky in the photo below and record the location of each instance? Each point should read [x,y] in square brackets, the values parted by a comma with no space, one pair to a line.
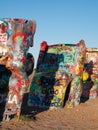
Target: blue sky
[58,21]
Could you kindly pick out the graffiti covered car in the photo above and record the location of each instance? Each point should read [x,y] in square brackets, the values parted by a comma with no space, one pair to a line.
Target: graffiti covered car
[58,66]
[90,74]
[16,36]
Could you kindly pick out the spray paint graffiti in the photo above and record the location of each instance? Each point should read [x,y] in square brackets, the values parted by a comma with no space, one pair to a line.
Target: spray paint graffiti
[16,36]
[57,66]
[90,74]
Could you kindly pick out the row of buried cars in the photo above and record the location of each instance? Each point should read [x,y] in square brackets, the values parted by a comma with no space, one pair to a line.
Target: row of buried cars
[65,74]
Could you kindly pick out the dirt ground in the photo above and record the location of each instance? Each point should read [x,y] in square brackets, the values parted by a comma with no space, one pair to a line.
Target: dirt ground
[82,117]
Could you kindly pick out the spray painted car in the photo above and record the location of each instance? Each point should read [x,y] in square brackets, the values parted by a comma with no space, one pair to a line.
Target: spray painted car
[90,74]
[16,36]
[59,70]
